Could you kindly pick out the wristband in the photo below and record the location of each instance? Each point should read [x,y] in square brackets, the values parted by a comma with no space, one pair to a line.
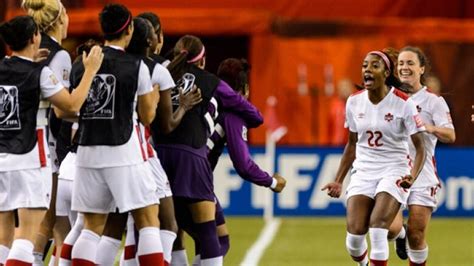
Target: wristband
[274,183]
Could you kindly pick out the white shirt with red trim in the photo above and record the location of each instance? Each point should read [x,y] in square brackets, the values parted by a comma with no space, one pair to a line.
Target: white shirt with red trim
[131,152]
[433,110]
[383,130]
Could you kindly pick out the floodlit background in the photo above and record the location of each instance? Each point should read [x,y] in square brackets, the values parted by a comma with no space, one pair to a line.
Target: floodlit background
[308,54]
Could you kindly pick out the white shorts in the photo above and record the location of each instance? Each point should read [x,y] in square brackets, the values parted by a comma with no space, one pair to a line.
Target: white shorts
[365,184]
[101,190]
[68,168]
[424,196]
[63,200]
[161,179]
[29,188]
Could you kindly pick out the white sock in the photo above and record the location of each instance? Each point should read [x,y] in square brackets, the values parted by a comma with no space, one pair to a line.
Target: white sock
[167,240]
[196,260]
[70,240]
[401,234]
[378,244]
[213,261]
[21,250]
[179,258]
[356,245]
[4,250]
[149,246]
[85,247]
[38,261]
[418,256]
[129,253]
[107,250]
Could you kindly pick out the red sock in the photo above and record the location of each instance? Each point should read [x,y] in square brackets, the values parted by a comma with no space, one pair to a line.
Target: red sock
[66,251]
[378,262]
[417,264]
[82,262]
[12,262]
[151,259]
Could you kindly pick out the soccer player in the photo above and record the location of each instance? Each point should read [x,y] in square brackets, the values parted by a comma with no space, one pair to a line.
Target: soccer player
[183,152]
[110,159]
[231,130]
[25,171]
[380,119]
[53,21]
[434,112]
[156,44]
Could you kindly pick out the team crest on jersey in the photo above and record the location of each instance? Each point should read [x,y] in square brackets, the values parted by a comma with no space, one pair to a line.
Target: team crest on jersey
[418,108]
[244,133]
[388,117]
[9,108]
[186,83]
[100,102]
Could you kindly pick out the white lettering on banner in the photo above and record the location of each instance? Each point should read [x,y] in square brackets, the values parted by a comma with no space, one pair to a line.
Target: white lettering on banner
[290,166]
[319,199]
[258,192]
[224,181]
[454,186]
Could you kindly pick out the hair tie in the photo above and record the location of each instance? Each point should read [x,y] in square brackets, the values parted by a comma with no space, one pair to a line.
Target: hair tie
[124,25]
[184,51]
[384,58]
[198,57]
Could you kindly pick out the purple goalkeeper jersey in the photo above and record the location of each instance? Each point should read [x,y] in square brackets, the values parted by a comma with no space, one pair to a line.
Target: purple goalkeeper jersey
[232,129]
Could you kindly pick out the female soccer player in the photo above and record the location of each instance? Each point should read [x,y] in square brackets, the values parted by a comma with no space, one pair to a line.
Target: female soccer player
[380,119]
[25,171]
[435,114]
[183,152]
[53,21]
[110,159]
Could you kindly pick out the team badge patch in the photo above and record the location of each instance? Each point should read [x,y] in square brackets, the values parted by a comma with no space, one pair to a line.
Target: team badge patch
[388,117]
[9,108]
[100,102]
[418,108]
[418,121]
[186,83]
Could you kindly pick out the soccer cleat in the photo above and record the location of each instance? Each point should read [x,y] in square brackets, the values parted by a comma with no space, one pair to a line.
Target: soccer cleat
[401,246]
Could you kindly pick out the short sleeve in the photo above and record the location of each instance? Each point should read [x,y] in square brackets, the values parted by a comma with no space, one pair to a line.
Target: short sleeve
[61,66]
[144,80]
[412,120]
[349,121]
[49,83]
[441,114]
[161,76]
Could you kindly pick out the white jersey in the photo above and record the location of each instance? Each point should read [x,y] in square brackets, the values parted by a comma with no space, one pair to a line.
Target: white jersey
[433,110]
[383,130]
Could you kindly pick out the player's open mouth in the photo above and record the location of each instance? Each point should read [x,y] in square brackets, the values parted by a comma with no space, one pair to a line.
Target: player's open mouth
[368,80]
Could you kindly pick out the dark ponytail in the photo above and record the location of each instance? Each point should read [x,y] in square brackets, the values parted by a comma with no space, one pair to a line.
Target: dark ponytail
[235,73]
[139,42]
[186,51]
[18,32]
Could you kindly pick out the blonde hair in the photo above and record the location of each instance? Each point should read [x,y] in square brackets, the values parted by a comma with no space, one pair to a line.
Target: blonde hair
[45,12]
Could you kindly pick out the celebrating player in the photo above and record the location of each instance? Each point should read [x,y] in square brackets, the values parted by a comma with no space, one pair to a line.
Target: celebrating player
[380,119]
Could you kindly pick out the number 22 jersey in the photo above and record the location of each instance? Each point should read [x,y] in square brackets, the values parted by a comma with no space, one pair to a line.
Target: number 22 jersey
[383,130]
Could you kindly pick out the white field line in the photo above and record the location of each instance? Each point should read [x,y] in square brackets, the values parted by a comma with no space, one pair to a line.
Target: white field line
[254,254]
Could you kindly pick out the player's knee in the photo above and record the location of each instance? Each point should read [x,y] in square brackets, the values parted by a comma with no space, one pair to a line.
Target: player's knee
[416,238]
[146,217]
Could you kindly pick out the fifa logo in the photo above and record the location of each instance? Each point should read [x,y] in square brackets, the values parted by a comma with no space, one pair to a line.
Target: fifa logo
[100,100]
[186,83]
[9,109]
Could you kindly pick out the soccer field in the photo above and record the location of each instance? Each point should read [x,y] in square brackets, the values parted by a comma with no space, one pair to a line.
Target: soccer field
[321,241]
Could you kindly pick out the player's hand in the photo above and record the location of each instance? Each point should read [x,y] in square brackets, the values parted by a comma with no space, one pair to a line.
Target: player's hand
[406,181]
[281,183]
[41,55]
[334,189]
[188,100]
[93,60]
